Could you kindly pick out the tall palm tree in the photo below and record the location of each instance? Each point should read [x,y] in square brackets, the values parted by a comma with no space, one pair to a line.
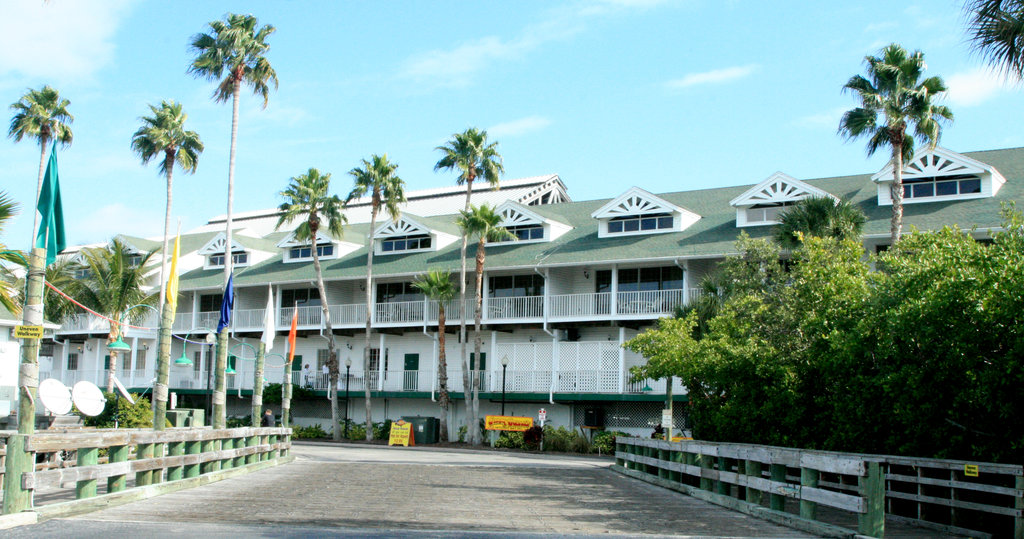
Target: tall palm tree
[164,135]
[483,222]
[437,285]
[894,99]
[309,196]
[473,157]
[997,32]
[42,115]
[377,177]
[8,290]
[822,217]
[232,54]
[113,285]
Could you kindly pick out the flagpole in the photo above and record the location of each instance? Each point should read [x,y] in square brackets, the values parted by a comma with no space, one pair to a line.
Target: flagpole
[163,360]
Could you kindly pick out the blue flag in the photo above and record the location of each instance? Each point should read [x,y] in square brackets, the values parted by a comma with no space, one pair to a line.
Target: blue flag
[51,226]
[226,305]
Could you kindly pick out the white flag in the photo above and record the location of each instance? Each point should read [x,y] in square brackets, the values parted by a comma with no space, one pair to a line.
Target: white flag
[268,320]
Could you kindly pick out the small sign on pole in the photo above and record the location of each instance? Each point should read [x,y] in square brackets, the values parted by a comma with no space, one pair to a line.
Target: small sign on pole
[542,415]
[28,332]
[971,470]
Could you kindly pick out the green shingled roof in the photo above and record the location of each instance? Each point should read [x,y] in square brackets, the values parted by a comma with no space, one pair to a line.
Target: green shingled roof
[713,235]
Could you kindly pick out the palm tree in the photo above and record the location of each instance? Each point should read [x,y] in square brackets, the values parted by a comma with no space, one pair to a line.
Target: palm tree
[473,157]
[437,285]
[232,54]
[164,134]
[997,32]
[308,196]
[377,177]
[483,222]
[822,217]
[894,90]
[113,284]
[8,291]
[60,274]
[44,116]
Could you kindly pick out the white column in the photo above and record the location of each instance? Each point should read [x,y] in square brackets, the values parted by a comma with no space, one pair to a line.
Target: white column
[195,309]
[382,363]
[556,358]
[484,304]
[622,360]
[134,362]
[615,290]
[686,282]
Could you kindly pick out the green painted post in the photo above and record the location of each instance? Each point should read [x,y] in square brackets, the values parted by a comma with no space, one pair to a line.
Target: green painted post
[175,449]
[691,459]
[872,488]
[157,474]
[239,461]
[663,456]
[117,453]
[19,461]
[273,452]
[144,451]
[808,478]
[216,445]
[705,462]
[208,466]
[677,457]
[287,438]
[1018,503]
[721,486]
[227,445]
[778,475]
[753,469]
[86,488]
[193,447]
[741,469]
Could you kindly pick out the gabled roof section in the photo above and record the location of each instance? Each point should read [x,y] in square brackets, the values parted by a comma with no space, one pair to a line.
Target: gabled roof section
[778,188]
[936,162]
[406,225]
[636,201]
[291,241]
[216,245]
[516,214]
[133,244]
[552,191]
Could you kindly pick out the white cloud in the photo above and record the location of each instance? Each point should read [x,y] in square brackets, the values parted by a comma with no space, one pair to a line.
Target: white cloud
[107,221]
[518,127]
[974,87]
[63,40]
[716,76]
[829,119]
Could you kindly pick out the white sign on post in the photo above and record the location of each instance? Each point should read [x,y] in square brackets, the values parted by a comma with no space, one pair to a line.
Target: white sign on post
[542,415]
[666,422]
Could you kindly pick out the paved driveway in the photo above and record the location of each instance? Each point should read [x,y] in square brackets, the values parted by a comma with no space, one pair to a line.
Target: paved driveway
[362,491]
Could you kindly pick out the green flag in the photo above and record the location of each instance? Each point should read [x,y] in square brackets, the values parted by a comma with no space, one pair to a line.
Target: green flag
[51,226]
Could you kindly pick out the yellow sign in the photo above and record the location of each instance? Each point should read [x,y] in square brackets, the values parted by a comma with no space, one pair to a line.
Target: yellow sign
[401,434]
[508,422]
[681,438]
[971,470]
[28,332]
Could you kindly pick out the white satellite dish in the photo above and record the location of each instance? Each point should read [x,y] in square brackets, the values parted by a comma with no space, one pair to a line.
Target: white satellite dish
[120,389]
[55,395]
[88,398]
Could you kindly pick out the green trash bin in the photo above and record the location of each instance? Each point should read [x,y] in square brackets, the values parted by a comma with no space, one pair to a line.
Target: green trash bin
[425,430]
[178,418]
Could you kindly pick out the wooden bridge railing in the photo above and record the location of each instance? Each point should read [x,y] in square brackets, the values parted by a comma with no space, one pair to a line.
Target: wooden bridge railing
[152,456]
[927,492]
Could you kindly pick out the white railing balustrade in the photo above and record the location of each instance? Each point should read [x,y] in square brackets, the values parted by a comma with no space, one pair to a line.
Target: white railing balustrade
[515,307]
[580,305]
[248,318]
[345,315]
[208,319]
[182,322]
[649,301]
[399,312]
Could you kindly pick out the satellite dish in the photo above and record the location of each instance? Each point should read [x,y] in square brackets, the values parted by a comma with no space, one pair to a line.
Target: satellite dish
[88,398]
[122,390]
[55,395]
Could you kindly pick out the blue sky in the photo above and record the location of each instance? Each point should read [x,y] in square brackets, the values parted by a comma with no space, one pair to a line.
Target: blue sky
[608,94]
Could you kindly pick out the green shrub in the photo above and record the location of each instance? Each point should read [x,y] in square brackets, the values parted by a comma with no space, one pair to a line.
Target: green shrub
[130,416]
[356,431]
[382,431]
[315,431]
[272,394]
[510,440]
[234,422]
[462,433]
[604,441]
[579,444]
[533,436]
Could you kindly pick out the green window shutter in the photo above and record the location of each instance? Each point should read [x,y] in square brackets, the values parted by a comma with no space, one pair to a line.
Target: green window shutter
[482,366]
[297,363]
[106,363]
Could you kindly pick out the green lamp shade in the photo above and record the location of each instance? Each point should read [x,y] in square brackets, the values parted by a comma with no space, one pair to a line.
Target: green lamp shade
[647,388]
[231,366]
[183,361]
[119,346]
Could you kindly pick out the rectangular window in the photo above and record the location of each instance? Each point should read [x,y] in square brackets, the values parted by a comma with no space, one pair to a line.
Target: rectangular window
[603,281]
[942,186]
[321,359]
[210,302]
[516,286]
[134,260]
[397,292]
[72,362]
[970,186]
[197,361]
[641,279]
[299,253]
[309,297]
[527,232]
[620,225]
[405,243]
[238,258]
[375,360]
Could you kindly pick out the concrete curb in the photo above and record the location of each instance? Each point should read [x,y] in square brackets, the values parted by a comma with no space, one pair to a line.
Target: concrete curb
[18,519]
[554,456]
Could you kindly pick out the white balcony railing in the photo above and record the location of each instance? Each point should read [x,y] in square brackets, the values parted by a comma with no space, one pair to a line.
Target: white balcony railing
[649,301]
[514,308]
[399,312]
[580,305]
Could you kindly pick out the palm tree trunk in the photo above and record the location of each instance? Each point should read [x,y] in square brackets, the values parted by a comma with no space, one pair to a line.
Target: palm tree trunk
[896,190]
[332,352]
[477,341]
[163,357]
[43,139]
[462,315]
[219,394]
[369,319]
[257,385]
[442,372]
[112,364]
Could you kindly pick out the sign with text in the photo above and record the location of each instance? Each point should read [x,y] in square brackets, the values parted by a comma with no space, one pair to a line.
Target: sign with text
[508,422]
[401,434]
[28,332]
[971,470]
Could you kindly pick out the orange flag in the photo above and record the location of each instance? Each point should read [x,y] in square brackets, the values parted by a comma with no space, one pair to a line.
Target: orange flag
[291,334]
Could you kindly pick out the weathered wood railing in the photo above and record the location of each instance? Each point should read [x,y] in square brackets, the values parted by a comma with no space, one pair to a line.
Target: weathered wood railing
[148,456]
[925,492]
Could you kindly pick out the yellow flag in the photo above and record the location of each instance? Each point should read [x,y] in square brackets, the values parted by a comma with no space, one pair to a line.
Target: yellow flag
[172,280]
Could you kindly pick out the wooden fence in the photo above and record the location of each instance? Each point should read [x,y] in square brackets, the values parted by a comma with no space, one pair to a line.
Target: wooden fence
[150,457]
[974,499]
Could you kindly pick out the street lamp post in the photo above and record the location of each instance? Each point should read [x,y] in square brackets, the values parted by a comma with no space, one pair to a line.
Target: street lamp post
[504,368]
[348,367]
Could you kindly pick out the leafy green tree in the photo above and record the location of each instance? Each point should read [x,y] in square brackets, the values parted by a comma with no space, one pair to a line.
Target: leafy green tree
[996,28]
[8,291]
[308,196]
[60,274]
[163,135]
[115,281]
[233,54]
[387,191]
[483,222]
[42,115]
[437,285]
[819,216]
[128,415]
[893,101]
[472,156]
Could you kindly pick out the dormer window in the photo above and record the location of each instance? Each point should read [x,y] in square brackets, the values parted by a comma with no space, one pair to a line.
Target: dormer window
[527,232]
[134,260]
[405,243]
[306,253]
[240,258]
[767,214]
[619,225]
[764,203]
[962,184]
[938,174]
